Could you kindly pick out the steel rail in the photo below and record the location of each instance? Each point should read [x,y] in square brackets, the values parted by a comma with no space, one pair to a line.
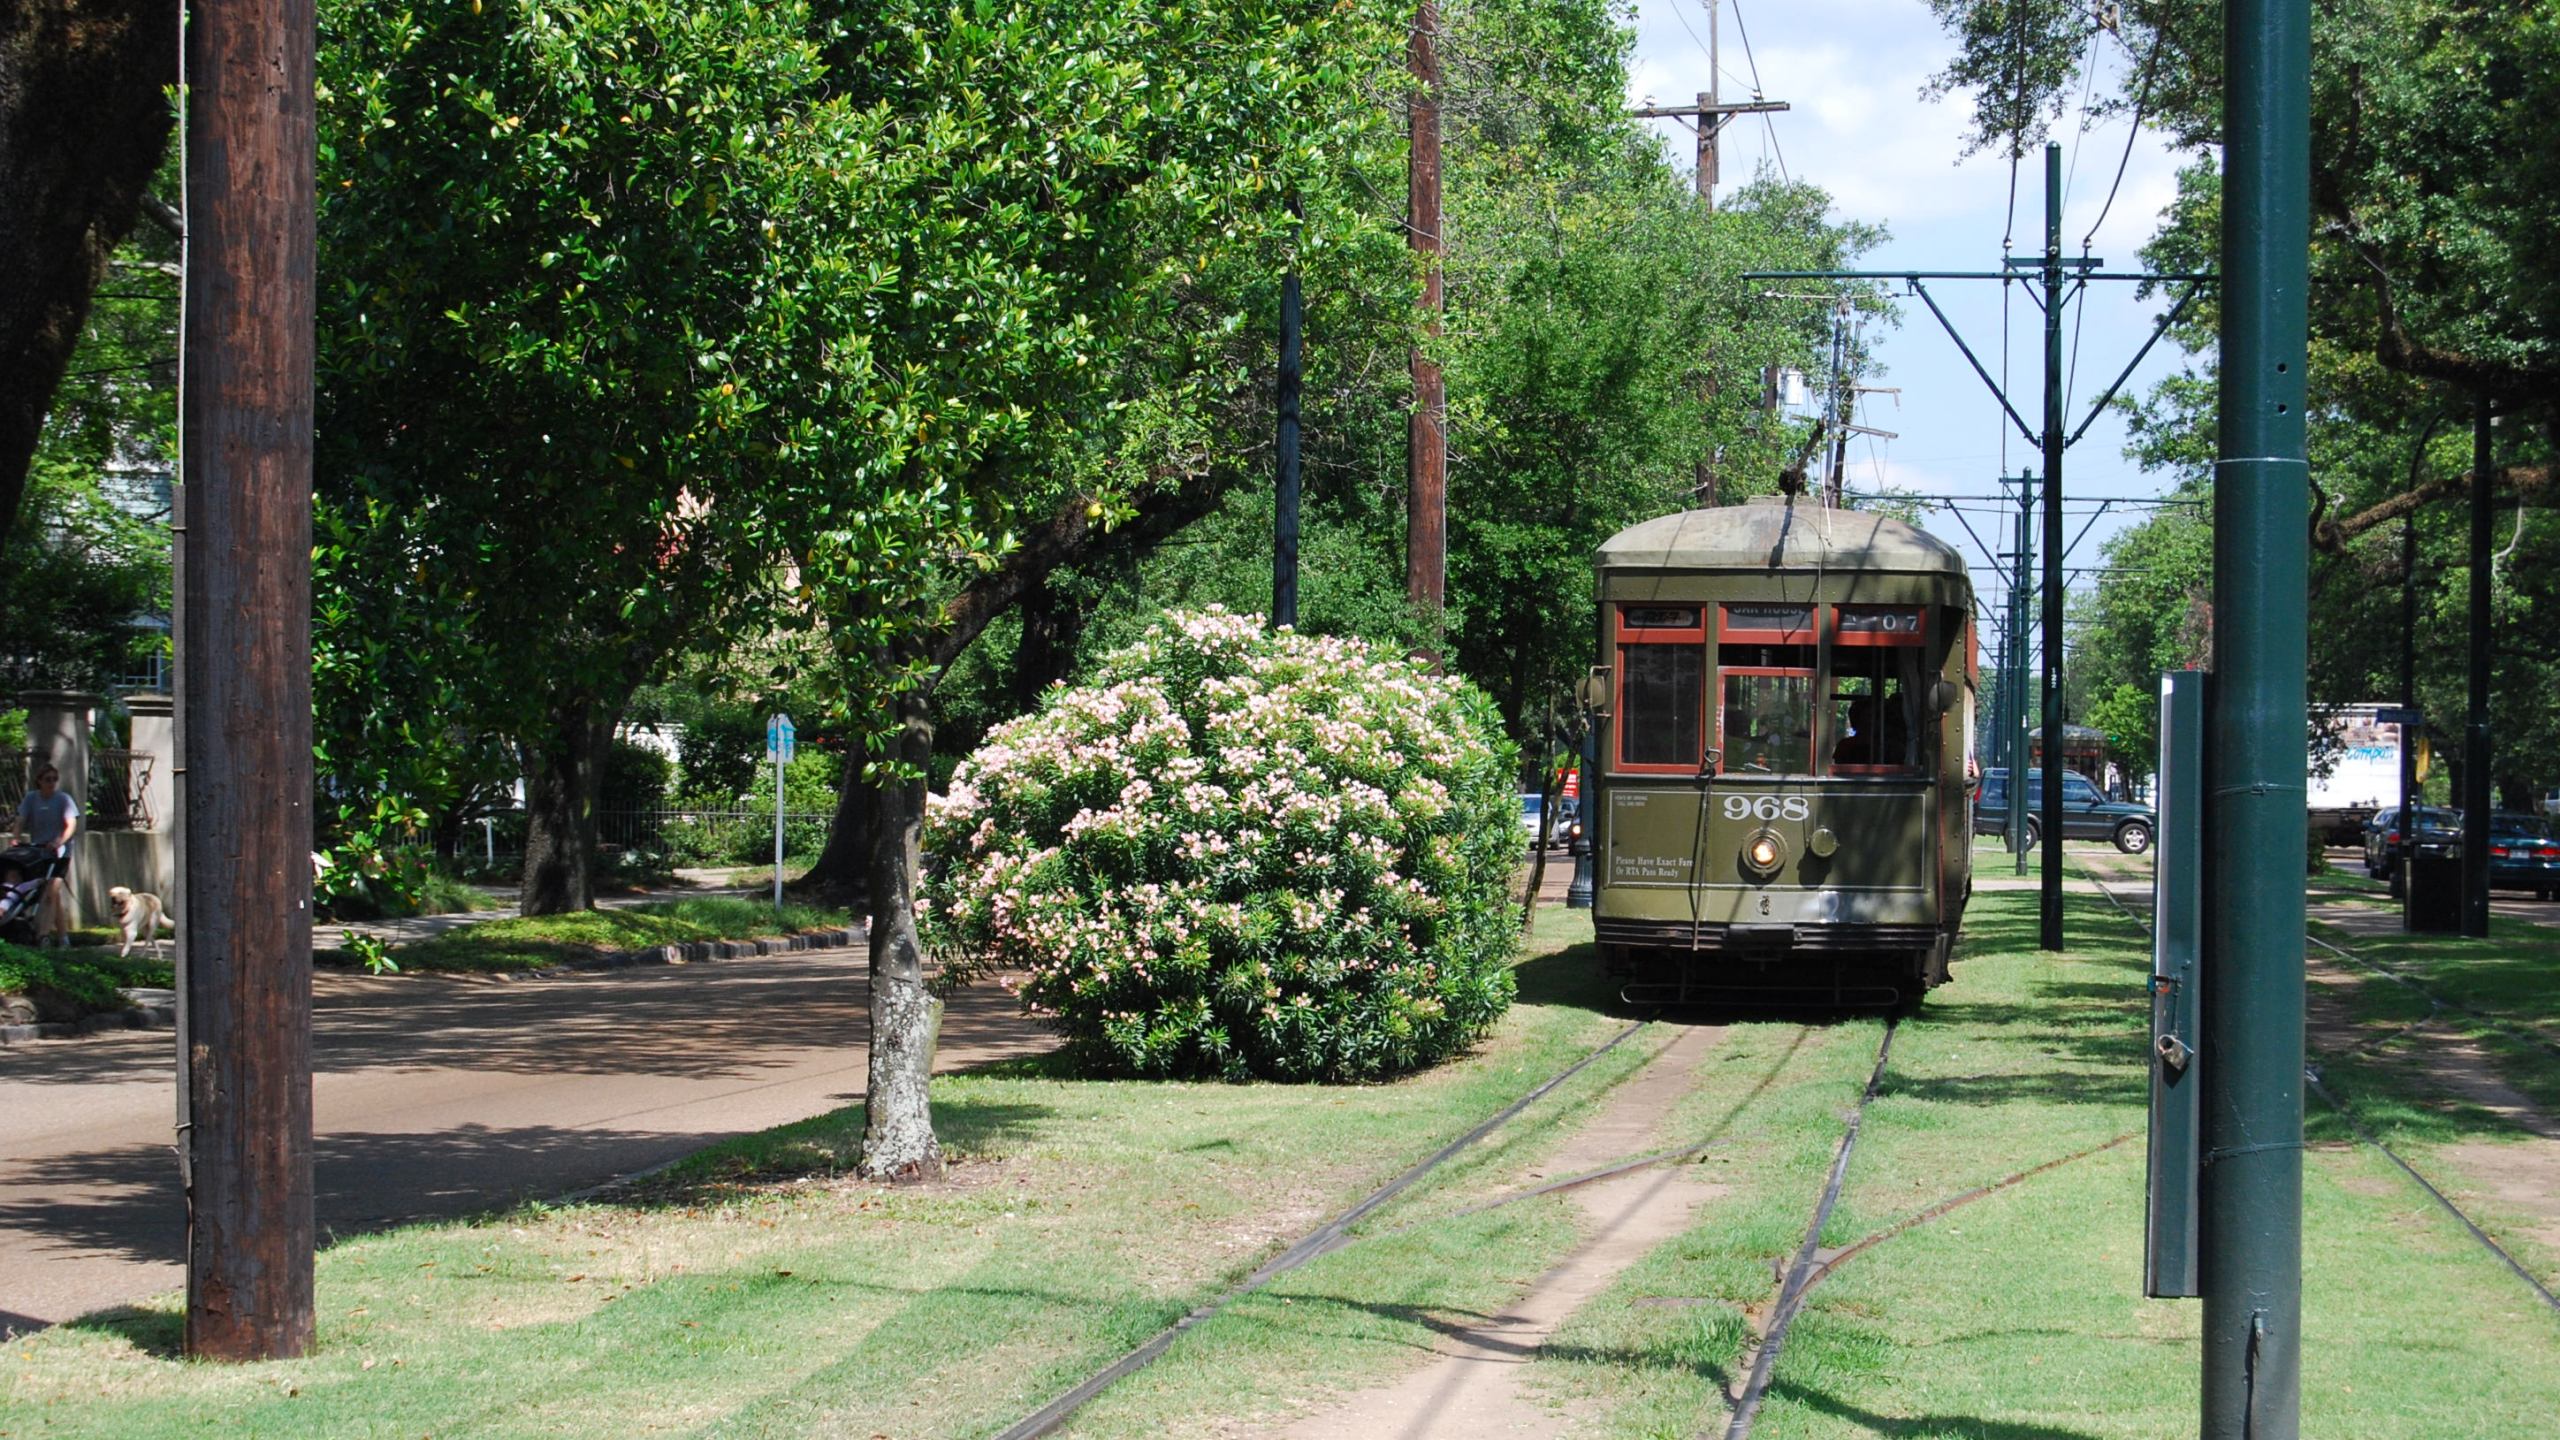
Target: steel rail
[1746,1405]
[1316,1242]
[2311,1075]
[2491,1022]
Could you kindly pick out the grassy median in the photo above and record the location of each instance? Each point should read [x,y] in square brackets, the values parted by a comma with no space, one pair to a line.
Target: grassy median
[759,1291]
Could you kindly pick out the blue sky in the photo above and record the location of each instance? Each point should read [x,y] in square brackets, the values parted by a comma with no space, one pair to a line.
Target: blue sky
[1853,70]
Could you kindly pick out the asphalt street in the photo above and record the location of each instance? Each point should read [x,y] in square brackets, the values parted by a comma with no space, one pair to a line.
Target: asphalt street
[436,1096]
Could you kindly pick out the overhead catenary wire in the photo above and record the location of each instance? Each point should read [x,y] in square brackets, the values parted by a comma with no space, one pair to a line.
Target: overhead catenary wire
[2141,101]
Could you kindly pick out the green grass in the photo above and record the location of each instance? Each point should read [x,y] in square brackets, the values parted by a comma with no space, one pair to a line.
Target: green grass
[757,1291]
[532,942]
[2021,1314]
[69,983]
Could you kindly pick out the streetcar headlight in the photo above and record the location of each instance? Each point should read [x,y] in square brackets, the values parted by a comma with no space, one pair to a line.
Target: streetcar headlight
[1762,852]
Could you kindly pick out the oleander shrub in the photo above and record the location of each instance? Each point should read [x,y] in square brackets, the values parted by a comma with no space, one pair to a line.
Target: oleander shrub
[1239,852]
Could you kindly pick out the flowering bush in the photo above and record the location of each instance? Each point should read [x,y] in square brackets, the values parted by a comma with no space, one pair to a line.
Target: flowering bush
[1239,852]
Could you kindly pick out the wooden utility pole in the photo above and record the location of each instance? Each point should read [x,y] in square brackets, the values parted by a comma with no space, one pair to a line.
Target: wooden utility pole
[1426,540]
[243,594]
[1710,116]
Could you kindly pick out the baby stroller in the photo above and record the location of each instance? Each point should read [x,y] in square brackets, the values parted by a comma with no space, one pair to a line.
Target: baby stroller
[24,872]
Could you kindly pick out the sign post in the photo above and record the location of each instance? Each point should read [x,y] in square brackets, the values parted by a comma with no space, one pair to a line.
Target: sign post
[781,738]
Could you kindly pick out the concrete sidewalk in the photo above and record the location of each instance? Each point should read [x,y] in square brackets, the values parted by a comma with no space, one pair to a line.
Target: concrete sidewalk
[439,1096]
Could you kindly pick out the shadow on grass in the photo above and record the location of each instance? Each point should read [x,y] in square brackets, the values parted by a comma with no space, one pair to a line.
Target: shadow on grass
[1920,1427]
[1570,977]
[160,1334]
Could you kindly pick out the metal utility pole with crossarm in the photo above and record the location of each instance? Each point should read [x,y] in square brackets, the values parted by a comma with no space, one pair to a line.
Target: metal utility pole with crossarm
[2059,280]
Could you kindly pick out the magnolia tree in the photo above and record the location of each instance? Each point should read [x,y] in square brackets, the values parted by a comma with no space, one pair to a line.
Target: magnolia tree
[1239,852]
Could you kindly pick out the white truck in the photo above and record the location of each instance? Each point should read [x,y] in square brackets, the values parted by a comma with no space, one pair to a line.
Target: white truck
[2355,769]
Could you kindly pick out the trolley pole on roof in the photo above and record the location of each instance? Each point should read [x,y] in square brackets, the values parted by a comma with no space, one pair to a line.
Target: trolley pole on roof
[2050,887]
[243,595]
[2250,1189]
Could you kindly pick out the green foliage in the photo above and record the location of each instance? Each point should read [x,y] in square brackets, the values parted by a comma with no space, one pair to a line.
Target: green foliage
[808,790]
[636,777]
[1240,853]
[588,299]
[2435,280]
[81,571]
[66,986]
[88,549]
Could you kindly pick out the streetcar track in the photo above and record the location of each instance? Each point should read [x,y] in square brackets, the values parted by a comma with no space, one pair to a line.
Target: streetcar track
[2311,1075]
[1320,1241]
[1798,1279]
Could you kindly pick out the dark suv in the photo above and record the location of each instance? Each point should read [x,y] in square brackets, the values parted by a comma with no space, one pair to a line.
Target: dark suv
[2087,814]
[2439,834]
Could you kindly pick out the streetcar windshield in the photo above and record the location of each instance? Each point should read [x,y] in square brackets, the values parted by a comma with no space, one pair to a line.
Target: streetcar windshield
[1768,723]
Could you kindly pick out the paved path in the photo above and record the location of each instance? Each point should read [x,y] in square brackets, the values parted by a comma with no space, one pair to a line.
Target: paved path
[438,1097]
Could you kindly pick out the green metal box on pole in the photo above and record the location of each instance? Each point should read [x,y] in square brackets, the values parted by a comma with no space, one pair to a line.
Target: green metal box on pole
[2169,1247]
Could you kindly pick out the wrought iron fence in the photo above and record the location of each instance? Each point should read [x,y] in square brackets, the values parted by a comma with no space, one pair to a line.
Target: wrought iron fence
[736,836]
[116,790]
[119,794]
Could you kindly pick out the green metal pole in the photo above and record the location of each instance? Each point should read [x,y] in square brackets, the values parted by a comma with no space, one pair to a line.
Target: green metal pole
[2251,1187]
[2017,676]
[2050,911]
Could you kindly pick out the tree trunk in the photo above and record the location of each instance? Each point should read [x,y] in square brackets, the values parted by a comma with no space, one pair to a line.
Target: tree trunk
[843,868]
[897,1139]
[84,119]
[562,768]
[1050,626]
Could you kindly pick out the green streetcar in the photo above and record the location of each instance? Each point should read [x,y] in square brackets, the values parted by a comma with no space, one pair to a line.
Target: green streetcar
[1785,719]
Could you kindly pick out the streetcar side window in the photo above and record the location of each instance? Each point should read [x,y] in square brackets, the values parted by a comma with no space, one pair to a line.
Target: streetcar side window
[1875,710]
[1662,658]
[1658,710]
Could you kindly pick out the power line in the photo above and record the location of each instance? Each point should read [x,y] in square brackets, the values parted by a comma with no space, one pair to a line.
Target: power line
[1757,91]
[1682,17]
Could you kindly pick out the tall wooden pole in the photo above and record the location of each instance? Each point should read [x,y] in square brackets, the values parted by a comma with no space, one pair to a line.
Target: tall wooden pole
[1426,542]
[1284,529]
[244,680]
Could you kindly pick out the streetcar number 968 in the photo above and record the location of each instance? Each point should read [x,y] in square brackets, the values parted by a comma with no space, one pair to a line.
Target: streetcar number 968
[1767,807]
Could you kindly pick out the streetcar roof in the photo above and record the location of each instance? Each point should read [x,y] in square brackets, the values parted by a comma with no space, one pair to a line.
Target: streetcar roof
[1772,532]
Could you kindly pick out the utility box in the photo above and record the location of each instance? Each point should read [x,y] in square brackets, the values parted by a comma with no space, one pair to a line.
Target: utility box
[2177,916]
[2435,894]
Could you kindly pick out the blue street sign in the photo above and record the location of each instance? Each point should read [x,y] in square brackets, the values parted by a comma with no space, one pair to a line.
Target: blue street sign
[781,738]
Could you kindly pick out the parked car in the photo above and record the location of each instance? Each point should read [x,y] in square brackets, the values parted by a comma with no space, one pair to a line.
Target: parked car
[2523,855]
[1567,824]
[2439,834]
[2087,813]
